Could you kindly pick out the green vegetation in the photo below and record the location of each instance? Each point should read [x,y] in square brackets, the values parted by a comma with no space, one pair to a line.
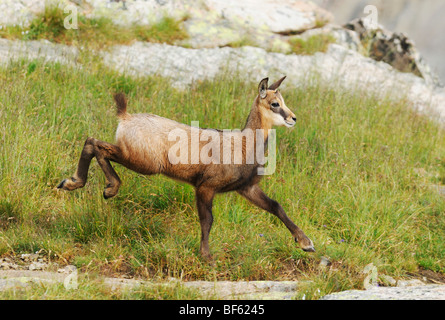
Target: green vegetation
[347,174]
[93,32]
[316,43]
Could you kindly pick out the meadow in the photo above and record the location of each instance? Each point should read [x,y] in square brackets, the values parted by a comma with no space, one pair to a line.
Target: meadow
[356,173]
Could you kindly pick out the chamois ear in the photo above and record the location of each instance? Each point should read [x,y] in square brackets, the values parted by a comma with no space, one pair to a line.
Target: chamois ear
[275,85]
[262,88]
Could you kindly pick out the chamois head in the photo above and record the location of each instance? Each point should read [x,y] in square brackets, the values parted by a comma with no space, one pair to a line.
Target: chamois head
[272,105]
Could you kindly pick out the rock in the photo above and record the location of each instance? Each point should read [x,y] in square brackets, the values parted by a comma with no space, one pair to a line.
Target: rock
[338,67]
[8,266]
[423,22]
[23,278]
[42,49]
[140,12]
[344,37]
[67,269]
[394,48]
[37,266]
[19,12]
[410,283]
[282,17]
[257,290]
[424,292]
[210,23]
[387,280]
[29,257]
[324,262]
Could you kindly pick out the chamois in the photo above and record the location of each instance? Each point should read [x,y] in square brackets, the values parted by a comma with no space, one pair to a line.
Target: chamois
[143,145]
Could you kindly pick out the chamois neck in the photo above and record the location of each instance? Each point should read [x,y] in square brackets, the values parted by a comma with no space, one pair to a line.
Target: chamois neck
[255,120]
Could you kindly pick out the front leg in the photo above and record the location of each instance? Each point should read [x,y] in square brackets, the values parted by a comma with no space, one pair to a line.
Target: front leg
[257,196]
[204,201]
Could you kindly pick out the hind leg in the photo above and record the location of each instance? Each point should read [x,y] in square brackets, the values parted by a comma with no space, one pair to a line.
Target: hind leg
[104,152]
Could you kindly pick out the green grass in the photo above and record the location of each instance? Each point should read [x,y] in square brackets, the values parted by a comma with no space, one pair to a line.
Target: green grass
[346,174]
[316,43]
[93,32]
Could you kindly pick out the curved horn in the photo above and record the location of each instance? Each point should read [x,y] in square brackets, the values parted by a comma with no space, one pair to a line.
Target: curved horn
[275,85]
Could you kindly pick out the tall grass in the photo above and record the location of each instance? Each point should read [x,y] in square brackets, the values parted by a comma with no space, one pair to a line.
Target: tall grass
[347,174]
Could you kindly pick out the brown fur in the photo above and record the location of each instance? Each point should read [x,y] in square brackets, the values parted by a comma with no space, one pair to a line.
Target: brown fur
[142,145]
[121,104]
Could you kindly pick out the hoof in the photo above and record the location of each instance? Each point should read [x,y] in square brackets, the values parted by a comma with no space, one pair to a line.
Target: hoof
[109,193]
[306,244]
[60,186]
[107,196]
[309,249]
[70,184]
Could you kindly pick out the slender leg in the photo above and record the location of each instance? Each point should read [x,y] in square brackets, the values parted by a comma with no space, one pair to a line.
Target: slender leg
[204,200]
[257,196]
[104,152]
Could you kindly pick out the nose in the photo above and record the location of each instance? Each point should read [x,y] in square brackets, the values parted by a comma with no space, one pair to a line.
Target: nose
[294,118]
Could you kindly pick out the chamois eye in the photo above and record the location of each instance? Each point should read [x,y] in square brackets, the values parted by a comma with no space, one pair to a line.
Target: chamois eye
[275,105]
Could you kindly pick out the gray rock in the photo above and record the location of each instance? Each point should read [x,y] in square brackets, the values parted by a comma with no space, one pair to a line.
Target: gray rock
[270,290]
[387,280]
[422,21]
[338,67]
[324,262]
[8,266]
[394,48]
[262,290]
[425,292]
[42,49]
[410,283]
[37,266]
[23,278]
[257,290]
[210,23]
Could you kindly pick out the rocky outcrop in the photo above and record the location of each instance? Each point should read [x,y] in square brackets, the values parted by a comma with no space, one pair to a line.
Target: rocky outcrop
[422,21]
[268,24]
[210,23]
[394,48]
[423,292]
[227,290]
[43,50]
[339,68]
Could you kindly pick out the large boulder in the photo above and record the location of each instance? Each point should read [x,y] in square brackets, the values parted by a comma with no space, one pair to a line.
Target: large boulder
[424,292]
[394,48]
[210,23]
[338,67]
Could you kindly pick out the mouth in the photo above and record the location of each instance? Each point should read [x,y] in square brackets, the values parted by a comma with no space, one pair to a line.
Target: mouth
[289,124]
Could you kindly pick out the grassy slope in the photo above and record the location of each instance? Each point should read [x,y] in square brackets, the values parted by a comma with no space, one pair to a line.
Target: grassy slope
[346,174]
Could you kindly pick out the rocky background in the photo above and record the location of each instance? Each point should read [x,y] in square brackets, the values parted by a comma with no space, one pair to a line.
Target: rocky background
[422,21]
[253,39]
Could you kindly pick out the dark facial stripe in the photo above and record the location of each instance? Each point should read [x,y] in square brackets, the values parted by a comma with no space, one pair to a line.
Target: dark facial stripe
[281,111]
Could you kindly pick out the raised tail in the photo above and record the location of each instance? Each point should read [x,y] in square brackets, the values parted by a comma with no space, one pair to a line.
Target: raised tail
[121,103]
